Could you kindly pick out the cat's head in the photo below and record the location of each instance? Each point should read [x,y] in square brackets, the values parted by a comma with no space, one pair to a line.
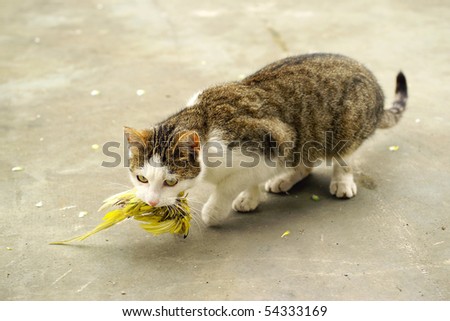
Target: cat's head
[163,163]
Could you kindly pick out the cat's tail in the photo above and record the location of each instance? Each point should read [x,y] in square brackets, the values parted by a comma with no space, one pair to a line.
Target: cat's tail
[391,116]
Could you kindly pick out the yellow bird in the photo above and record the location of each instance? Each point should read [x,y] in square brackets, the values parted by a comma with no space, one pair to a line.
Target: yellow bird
[156,220]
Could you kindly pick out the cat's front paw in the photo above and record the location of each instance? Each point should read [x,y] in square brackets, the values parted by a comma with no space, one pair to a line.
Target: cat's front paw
[343,188]
[279,185]
[212,216]
[245,202]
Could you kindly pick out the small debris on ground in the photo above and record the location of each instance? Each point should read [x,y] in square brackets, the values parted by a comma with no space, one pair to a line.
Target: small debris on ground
[39,204]
[140,92]
[17,169]
[9,248]
[82,214]
[95,146]
[286,233]
[67,207]
[443,228]
[315,197]
[95,92]
[394,148]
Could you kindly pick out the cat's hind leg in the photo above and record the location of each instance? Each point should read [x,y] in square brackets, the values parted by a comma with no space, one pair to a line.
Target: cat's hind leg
[284,182]
[342,184]
[248,200]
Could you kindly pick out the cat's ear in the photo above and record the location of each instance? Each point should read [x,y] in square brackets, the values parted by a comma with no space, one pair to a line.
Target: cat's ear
[188,143]
[136,137]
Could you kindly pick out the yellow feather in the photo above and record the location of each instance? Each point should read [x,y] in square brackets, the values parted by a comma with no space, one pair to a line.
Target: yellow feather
[156,220]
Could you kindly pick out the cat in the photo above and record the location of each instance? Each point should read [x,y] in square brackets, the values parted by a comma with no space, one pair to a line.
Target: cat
[273,127]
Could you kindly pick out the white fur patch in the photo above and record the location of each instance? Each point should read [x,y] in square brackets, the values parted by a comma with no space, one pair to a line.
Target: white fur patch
[193,100]
[231,172]
[284,182]
[247,200]
[342,184]
[153,170]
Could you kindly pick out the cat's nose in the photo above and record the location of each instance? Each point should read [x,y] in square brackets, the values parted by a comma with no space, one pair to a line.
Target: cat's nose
[153,203]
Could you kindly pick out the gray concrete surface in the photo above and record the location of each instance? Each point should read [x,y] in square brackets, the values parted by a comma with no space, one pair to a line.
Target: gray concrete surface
[389,243]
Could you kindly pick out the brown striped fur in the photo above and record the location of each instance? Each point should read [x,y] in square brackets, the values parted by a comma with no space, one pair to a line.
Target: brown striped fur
[297,99]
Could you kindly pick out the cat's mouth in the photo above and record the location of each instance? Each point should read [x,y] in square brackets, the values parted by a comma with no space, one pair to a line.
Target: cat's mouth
[163,203]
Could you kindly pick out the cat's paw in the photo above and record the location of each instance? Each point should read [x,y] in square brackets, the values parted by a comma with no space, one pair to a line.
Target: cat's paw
[343,188]
[245,202]
[279,185]
[212,216]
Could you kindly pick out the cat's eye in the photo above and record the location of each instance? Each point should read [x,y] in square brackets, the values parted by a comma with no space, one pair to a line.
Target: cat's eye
[142,179]
[171,182]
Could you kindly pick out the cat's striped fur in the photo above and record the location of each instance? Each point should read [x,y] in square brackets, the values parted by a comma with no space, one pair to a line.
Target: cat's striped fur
[318,99]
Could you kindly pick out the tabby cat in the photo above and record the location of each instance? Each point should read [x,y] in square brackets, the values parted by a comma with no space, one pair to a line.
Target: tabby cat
[272,127]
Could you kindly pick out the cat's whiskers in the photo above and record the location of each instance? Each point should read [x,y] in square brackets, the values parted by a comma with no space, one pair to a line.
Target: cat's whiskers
[195,214]
[192,200]
[196,206]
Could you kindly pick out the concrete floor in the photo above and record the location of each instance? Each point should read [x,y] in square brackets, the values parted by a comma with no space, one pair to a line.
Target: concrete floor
[389,243]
